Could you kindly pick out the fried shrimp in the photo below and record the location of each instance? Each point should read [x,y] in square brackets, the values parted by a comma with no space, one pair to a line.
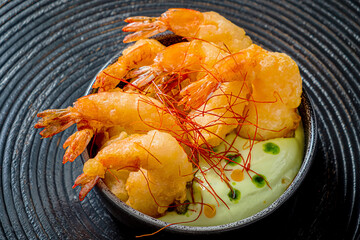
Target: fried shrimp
[191,24]
[221,114]
[176,63]
[211,37]
[159,169]
[95,113]
[274,81]
[140,54]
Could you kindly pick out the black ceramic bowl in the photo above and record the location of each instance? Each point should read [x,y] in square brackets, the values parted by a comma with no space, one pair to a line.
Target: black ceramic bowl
[142,223]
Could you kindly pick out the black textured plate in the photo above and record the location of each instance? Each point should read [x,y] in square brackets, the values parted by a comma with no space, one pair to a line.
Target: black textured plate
[50,50]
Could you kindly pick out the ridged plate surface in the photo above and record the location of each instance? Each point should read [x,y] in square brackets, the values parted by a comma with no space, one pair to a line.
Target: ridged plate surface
[51,50]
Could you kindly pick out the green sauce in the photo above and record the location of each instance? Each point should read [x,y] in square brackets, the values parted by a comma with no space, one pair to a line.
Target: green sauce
[235,159]
[271,148]
[259,181]
[234,195]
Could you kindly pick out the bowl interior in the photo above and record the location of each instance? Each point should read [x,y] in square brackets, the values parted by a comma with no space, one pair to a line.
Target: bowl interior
[132,217]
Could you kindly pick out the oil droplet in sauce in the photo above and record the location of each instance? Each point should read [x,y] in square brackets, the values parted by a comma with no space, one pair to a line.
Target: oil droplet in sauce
[209,210]
[237,175]
[285,180]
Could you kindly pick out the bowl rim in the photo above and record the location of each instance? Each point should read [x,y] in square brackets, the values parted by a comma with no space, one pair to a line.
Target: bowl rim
[310,130]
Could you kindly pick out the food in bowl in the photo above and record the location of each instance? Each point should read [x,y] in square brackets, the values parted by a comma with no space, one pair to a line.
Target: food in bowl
[203,132]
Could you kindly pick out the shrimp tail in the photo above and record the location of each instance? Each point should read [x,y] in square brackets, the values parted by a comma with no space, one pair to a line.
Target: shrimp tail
[196,93]
[86,183]
[56,120]
[143,27]
[76,144]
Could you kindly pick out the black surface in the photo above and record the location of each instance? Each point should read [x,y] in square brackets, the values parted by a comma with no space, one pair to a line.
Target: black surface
[51,50]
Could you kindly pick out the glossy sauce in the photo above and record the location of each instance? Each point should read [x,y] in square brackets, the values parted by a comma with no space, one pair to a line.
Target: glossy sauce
[274,164]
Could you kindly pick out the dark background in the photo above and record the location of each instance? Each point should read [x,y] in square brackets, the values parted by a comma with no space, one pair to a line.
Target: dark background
[51,50]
